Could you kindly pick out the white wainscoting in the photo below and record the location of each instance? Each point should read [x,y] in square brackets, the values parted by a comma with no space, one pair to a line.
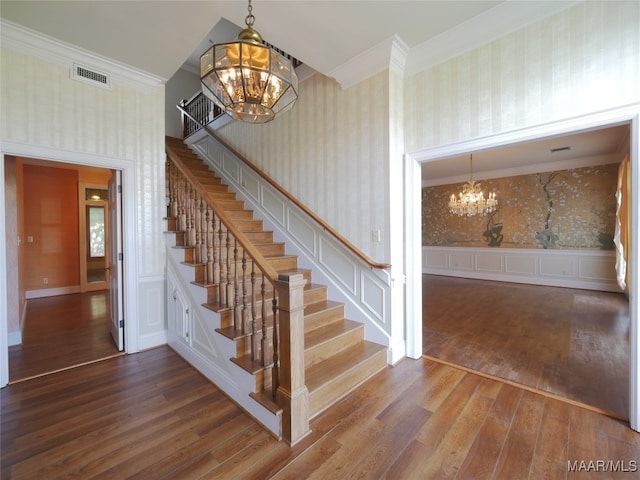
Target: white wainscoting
[366,292]
[587,269]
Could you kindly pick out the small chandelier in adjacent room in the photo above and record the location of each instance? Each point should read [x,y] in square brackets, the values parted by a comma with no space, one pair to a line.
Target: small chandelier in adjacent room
[247,79]
[471,200]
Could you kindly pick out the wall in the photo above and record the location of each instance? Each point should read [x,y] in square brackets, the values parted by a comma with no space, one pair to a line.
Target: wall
[180,87]
[51,228]
[63,119]
[331,151]
[579,212]
[582,60]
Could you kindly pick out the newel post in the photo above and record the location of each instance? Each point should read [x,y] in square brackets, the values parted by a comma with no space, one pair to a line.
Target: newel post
[292,394]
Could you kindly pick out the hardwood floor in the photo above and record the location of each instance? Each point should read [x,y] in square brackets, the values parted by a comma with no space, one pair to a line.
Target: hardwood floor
[569,342]
[152,416]
[61,332]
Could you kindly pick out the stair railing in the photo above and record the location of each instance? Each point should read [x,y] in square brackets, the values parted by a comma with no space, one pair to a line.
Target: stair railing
[201,108]
[242,280]
[199,119]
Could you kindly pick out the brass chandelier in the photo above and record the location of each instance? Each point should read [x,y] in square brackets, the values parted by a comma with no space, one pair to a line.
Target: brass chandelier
[471,200]
[247,79]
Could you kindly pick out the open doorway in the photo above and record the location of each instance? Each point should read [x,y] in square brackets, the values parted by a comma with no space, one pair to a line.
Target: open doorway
[61,261]
[622,116]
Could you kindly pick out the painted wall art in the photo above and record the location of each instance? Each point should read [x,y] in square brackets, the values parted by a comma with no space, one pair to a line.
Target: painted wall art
[565,209]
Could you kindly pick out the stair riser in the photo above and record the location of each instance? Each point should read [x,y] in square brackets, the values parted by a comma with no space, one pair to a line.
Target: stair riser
[243,345]
[331,392]
[325,350]
[262,377]
[337,354]
[315,294]
[227,319]
[271,249]
[323,318]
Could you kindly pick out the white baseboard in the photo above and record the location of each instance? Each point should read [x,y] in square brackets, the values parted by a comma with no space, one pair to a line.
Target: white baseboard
[152,340]
[51,292]
[14,338]
[584,269]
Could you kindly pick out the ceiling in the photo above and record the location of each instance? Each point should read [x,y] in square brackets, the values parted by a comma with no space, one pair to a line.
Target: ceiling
[160,37]
[585,148]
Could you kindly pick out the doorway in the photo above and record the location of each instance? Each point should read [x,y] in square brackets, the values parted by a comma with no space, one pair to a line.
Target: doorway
[627,115]
[93,233]
[69,323]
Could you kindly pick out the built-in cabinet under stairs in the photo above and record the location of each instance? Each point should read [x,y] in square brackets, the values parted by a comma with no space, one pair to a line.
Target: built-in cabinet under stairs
[337,358]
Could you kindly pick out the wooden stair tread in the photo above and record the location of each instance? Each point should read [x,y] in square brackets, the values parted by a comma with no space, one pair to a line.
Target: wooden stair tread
[321,307]
[337,357]
[247,363]
[331,369]
[326,333]
[266,400]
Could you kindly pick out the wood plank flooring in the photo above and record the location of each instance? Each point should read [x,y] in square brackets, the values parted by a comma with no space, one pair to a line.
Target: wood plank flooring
[569,342]
[152,416]
[61,332]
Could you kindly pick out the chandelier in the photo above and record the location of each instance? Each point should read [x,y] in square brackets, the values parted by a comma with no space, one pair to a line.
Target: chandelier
[247,79]
[471,200]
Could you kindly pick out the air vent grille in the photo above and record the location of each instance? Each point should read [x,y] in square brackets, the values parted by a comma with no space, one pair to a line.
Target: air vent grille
[89,75]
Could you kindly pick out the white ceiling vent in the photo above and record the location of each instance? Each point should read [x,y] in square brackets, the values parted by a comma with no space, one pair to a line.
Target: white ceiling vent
[90,75]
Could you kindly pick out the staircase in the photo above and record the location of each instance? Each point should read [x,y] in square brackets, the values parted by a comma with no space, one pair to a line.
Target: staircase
[337,358]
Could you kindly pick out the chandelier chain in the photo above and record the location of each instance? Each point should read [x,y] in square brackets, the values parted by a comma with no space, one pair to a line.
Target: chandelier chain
[249,19]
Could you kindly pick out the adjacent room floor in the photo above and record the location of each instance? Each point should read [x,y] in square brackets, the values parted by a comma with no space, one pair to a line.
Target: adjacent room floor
[569,342]
[62,332]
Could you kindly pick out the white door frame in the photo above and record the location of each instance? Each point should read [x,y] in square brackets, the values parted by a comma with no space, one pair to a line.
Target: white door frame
[413,214]
[128,234]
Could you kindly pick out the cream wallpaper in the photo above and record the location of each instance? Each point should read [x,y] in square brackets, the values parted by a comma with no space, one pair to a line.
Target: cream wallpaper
[43,107]
[122,123]
[582,60]
[337,149]
[565,209]
[331,152]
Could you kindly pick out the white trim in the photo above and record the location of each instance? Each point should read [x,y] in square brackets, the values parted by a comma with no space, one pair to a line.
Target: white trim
[51,292]
[4,346]
[152,340]
[413,238]
[129,235]
[528,169]
[623,114]
[388,54]
[634,280]
[35,44]
[480,30]
[585,269]
[14,338]
[366,292]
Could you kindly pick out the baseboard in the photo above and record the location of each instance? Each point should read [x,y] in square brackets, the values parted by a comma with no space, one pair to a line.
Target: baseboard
[51,292]
[152,340]
[14,338]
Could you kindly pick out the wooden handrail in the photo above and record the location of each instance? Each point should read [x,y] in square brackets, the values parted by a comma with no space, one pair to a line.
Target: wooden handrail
[247,245]
[201,217]
[357,252]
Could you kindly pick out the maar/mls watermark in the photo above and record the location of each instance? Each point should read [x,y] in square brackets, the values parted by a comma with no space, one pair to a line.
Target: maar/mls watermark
[622,466]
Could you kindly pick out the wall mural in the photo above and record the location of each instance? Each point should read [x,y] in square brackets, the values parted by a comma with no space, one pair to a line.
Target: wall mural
[565,209]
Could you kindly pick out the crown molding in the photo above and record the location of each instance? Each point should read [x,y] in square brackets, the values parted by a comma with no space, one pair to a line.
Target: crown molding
[388,54]
[568,164]
[505,18]
[34,44]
